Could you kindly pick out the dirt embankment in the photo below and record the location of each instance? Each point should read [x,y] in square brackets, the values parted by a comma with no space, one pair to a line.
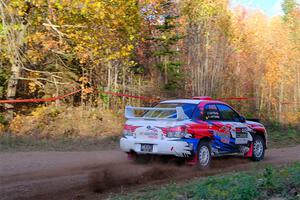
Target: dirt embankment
[94,175]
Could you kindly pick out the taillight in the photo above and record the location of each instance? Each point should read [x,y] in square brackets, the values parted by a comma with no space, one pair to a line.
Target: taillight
[129,130]
[176,132]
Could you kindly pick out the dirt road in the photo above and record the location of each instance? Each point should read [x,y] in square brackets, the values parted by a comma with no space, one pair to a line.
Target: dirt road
[94,175]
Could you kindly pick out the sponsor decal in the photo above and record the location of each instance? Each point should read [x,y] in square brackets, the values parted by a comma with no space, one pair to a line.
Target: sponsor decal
[224,135]
[150,132]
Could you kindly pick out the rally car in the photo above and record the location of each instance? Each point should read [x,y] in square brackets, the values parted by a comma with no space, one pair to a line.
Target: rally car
[195,129]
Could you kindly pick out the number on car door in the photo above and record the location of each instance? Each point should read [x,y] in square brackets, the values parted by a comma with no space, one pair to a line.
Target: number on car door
[232,119]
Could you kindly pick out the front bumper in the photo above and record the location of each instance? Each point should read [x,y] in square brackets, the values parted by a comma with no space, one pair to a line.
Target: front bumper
[175,147]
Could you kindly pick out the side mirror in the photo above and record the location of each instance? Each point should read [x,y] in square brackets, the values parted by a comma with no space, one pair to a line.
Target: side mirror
[242,119]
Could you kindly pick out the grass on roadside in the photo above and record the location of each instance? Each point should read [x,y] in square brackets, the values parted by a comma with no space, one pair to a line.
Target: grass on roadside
[270,183]
[29,143]
[283,137]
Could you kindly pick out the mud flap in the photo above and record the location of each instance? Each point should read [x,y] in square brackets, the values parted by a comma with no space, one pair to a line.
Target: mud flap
[250,152]
[131,156]
[192,161]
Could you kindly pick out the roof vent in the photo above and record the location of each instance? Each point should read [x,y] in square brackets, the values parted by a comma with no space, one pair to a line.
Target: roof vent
[202,98]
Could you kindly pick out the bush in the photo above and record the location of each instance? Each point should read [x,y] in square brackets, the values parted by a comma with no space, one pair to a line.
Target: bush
[70,122]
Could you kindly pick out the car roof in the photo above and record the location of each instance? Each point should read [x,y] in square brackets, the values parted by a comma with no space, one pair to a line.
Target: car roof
[190,101]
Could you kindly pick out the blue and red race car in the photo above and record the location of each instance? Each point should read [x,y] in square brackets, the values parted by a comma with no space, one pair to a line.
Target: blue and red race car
[195,129]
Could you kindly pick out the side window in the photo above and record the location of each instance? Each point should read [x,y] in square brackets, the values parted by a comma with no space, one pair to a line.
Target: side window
[228,114]
[211,112]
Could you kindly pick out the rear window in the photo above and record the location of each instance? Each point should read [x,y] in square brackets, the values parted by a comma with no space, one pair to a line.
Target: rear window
[187,108]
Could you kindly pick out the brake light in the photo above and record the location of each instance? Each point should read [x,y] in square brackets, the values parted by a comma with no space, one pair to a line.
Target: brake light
[128,130]
[175,132]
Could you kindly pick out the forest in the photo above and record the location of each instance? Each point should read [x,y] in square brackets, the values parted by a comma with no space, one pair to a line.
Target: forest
[151,48]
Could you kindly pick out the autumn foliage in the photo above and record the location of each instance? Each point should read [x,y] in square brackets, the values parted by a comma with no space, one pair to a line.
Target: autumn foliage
[158,48]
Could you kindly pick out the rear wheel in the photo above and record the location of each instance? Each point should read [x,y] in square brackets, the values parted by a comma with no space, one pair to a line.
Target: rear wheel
[258,148]
[204,155]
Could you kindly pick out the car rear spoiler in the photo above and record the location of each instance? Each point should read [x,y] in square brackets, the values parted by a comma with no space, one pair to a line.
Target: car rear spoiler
[129,113]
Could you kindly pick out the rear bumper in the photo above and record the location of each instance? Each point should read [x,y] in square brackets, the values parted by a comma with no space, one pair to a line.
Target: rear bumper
[175,147]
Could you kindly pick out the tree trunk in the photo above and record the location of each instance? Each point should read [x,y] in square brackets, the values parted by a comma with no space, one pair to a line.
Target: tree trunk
[12,89]
[109,81]
[14,40]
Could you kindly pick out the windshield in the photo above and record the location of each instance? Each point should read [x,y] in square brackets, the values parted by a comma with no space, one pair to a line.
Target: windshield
[187,108]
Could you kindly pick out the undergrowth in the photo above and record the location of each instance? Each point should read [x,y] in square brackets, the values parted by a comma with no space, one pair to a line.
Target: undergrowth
[269,183]
[67,122]
[61,128]
[283,136]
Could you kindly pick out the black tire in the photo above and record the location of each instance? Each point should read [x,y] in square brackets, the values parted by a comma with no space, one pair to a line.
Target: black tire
[204,155]
[258,148]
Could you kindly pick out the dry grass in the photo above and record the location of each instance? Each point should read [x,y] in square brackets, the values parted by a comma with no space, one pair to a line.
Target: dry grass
[62,129]
[68,122]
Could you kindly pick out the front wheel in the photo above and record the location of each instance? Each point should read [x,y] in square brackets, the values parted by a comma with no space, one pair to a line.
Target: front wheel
[258,148]
[204,155]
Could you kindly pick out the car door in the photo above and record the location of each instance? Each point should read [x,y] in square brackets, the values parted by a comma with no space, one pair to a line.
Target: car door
[220,128]
[239,131]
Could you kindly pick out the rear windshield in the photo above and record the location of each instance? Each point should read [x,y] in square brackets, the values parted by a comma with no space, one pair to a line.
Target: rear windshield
[187,108]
